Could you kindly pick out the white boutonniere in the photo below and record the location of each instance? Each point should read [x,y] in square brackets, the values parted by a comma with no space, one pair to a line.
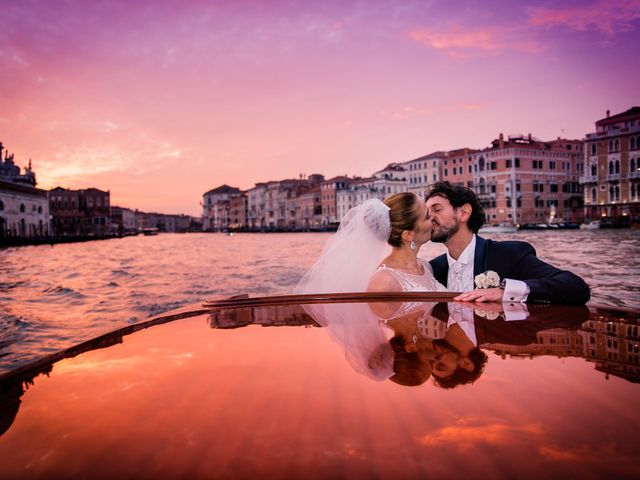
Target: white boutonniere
[488,279]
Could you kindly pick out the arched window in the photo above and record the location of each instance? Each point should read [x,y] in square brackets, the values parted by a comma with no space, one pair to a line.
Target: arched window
[610,149]
[632,143]
[481,163]
[1,205]
[594,169]
[39,208]
[594,149]
[22,208]
[632,165]
[593,195]
[617,166]
[617,146]
[610,168]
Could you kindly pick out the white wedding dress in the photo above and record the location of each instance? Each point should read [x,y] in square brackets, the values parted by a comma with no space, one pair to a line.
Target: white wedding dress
[348,261]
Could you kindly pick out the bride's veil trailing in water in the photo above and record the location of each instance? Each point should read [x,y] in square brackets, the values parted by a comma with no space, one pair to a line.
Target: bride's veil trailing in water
[346,264]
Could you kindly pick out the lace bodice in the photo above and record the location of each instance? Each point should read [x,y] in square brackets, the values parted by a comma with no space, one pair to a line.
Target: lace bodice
[415,283]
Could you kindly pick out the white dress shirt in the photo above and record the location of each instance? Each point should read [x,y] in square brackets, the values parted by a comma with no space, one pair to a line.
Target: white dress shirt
[461,278]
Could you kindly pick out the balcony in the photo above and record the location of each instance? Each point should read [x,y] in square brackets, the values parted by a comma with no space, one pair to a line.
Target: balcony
[613,177]
[588,179]
[635,174]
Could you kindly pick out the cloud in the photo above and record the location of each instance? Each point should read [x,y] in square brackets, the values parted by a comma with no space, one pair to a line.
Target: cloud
[470,436]
[410,112]
[609,17]
[414,112]
[458,41]
[88,160]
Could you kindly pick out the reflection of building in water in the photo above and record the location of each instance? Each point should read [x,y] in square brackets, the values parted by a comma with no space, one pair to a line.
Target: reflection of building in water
[431,327]
[281,315]
[614,347]
[556,341]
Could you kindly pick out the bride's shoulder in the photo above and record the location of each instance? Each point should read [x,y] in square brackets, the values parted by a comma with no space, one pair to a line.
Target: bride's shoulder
[384,281]
[426,263]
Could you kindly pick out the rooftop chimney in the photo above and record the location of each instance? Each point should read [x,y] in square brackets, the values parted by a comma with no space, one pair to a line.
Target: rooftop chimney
[608,112]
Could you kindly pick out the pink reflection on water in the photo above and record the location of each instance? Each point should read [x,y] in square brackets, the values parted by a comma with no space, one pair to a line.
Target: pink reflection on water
[184,400]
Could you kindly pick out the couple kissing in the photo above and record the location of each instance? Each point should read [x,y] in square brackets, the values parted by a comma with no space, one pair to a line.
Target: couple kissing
[357,257]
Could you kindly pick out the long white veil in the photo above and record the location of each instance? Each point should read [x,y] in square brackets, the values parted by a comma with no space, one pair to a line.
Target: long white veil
[346,264]
[352,255]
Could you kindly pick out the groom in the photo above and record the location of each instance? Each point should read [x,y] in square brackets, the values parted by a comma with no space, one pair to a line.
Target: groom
[457,216]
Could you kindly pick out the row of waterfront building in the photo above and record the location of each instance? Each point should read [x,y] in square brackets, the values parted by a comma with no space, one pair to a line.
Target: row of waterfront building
[518,179]
[27,212]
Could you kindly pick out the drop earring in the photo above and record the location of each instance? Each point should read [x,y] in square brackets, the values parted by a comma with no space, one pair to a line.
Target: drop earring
[412,245]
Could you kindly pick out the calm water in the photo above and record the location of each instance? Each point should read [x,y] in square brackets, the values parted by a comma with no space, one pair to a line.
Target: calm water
[52,297]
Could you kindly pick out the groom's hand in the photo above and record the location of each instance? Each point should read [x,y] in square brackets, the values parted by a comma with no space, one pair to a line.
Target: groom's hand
[481,295]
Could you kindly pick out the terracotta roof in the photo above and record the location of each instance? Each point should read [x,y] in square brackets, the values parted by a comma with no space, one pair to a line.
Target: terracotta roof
[222,189]
[633,112]
[429,155]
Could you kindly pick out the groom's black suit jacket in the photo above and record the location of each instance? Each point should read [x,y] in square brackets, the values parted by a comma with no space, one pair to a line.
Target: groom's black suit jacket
[518,261]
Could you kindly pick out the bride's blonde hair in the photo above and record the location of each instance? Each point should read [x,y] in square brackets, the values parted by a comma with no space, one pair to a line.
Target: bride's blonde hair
[403,213]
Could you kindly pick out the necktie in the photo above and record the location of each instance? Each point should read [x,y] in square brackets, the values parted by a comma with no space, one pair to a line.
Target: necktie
[456,284]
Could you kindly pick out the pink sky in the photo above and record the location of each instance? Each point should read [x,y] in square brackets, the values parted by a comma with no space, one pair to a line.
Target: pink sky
[160,101]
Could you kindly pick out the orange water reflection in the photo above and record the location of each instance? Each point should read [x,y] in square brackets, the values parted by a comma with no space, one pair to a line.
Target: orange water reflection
[182,400]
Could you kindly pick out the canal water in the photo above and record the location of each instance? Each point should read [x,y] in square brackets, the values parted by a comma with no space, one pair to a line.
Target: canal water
[52,297]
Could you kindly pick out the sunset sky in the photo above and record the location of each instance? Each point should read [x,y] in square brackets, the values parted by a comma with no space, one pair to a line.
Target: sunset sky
[160,101]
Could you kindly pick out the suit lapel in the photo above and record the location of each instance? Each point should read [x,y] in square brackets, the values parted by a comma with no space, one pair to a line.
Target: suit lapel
[441,268]
[480,256]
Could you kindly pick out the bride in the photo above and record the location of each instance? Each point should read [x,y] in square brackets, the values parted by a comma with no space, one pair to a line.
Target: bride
[376,249]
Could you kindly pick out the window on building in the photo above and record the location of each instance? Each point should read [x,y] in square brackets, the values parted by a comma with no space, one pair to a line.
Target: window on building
[1,205]
[594,149]
[446,172]
[616,145]
[494,165]
[552,165]
[508,203]
[22,208]
[632,165]
[617,166]
[518,202]
[508,163]
[517,162]
[493,189]
[553,188]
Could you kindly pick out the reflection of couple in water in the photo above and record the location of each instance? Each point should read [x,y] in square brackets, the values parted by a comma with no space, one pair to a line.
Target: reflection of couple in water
[376,249]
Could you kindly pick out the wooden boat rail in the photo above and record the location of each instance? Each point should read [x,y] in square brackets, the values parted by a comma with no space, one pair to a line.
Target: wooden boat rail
[316,298]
